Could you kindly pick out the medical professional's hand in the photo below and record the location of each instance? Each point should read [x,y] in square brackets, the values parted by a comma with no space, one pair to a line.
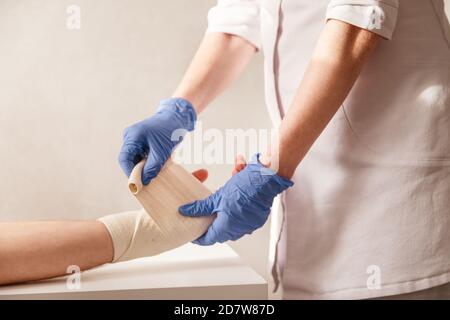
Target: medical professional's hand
[242,205]
[155,138]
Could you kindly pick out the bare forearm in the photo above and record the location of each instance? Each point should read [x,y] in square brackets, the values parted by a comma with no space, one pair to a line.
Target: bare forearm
[38,250]
[220,59]
[336,63]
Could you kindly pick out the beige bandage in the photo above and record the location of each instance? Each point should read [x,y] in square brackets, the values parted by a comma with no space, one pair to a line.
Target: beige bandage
[160,227]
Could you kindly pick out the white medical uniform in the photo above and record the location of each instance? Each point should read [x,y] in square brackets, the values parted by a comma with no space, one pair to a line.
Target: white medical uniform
[369,214]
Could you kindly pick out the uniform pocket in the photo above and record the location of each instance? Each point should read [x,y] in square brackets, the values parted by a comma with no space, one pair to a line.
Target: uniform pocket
[406,118]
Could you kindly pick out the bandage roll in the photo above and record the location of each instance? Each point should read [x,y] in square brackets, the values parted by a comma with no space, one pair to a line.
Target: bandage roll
[135,180]
[159,227]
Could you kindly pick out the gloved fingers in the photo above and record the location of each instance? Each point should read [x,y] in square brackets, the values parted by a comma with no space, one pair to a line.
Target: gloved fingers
[199,208]
[152,167]
[129,156]
[209,237]
[218,231]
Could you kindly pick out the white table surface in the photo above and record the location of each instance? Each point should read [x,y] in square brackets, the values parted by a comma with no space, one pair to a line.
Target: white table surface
[188,272]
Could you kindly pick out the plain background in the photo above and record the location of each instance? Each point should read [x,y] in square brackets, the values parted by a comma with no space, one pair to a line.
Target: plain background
[66,96]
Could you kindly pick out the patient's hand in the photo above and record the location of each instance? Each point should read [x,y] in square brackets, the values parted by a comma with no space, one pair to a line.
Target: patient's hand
[201,174]
[136,234]
[239,164]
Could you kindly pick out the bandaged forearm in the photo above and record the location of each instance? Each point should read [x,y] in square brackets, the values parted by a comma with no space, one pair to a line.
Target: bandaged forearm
[158,227]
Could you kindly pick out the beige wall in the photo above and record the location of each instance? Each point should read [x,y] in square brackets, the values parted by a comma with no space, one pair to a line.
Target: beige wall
[66,95]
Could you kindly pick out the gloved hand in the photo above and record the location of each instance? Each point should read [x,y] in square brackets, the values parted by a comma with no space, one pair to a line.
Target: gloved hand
[242,205]
[155,138]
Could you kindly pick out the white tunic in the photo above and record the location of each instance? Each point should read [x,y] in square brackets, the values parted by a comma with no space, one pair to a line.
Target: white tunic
[371,200]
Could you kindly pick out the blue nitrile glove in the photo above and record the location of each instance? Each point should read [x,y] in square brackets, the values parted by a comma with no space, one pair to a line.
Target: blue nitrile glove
[155,138]
[242,205]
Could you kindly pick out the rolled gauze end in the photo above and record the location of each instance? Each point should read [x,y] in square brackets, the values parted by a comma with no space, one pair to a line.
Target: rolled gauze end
[135,180]
[161,198]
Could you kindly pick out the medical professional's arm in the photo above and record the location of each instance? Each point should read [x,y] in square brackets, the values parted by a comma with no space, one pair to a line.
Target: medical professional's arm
[243,204]
[219,61]
[338,58]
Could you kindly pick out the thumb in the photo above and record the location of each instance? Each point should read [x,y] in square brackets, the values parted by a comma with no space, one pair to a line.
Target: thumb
[129,156]
[209,238]
[151,169]
[198,208]
[215,232]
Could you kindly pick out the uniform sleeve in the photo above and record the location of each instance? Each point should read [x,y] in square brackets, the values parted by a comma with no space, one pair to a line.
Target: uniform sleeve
[238,17]
[378,16]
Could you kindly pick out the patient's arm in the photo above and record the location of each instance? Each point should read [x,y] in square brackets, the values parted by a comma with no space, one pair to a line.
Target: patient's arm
[39,250]
[160,224]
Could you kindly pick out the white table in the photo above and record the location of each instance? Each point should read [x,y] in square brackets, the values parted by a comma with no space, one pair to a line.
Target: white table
[188,272]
